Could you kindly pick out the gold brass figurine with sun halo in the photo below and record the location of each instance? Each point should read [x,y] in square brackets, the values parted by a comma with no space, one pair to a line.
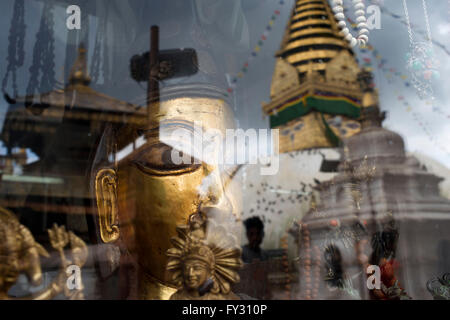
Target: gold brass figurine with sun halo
[204,261]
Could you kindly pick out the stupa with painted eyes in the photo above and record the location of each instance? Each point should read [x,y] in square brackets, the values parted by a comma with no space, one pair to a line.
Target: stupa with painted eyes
[315,103]
[315,97]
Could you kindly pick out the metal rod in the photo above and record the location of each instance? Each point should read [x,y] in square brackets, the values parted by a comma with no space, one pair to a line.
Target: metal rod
[153,83]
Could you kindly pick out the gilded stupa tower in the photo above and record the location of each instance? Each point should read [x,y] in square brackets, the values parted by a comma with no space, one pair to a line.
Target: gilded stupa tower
[315,97]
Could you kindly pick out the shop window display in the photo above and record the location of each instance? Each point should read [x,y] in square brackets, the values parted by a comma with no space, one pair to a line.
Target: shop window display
[138,161]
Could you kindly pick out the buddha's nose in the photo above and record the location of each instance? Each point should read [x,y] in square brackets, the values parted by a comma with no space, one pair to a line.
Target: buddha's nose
[215,203]
[212,193]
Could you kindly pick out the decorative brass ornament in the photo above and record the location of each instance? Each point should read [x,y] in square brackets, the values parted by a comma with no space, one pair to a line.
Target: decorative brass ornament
[204,261]
[106,192]
[59,239]
[19,253]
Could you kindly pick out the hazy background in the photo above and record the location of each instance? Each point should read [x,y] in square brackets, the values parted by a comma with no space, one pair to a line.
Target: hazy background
[235,30]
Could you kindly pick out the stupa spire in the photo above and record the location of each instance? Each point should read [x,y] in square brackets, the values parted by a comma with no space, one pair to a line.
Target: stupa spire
[312,36]
[315,94]
[79,73]
[370,113]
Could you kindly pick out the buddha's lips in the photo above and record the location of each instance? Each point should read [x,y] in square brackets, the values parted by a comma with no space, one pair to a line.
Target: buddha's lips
[192,282]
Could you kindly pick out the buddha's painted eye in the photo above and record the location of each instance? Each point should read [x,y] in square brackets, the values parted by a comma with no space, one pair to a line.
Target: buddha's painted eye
[161,159]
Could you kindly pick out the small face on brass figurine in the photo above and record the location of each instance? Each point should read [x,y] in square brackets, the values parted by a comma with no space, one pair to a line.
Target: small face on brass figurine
[203,268]
[197,268]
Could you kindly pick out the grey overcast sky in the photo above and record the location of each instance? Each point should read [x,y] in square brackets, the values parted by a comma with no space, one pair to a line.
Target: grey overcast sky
[131,20]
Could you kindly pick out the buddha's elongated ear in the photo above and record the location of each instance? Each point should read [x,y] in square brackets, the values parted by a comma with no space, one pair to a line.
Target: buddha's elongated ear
[106,193]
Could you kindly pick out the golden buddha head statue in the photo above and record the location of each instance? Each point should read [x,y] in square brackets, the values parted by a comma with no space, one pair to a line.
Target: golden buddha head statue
[142,196]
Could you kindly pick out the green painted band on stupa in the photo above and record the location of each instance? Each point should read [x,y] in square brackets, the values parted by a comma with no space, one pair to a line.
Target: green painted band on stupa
[334,106]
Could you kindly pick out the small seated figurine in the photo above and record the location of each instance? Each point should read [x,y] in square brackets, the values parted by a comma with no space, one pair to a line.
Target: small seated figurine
[19,253]
[204,265]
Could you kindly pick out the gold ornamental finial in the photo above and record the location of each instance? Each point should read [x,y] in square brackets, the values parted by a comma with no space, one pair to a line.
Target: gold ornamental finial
[370,98]
[312,36]
[78,74]
[370,113]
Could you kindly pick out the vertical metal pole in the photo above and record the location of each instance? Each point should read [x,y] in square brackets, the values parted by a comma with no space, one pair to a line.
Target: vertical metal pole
[153,84]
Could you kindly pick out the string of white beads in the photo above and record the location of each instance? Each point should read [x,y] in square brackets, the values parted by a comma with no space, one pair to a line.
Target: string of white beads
[363,31]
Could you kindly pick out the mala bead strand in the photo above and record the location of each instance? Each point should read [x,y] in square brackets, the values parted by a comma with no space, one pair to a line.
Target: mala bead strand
[316,272]
[285,259]
[307,242]
[363,31]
